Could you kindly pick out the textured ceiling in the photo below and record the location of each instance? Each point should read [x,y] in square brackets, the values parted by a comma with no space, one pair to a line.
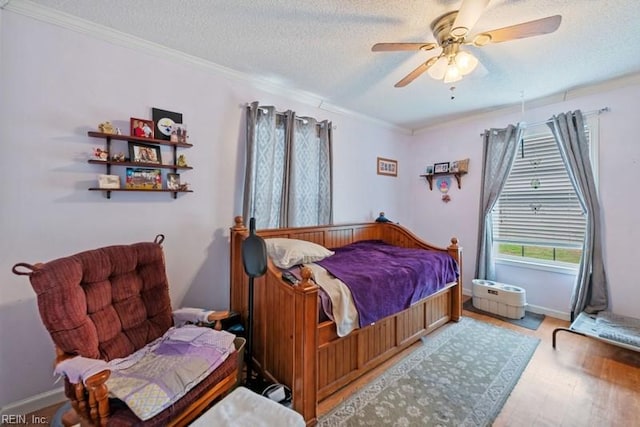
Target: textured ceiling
[323,47]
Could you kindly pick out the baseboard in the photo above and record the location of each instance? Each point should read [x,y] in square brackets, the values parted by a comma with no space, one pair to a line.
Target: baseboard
[33,403]
[534,308]
[549,312]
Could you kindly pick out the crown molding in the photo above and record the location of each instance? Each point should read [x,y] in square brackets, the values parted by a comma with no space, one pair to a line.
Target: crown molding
[74,23]
[567,95]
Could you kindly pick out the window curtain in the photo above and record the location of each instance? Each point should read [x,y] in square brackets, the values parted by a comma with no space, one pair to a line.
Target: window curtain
[288,176]
[590,290]
[500,147]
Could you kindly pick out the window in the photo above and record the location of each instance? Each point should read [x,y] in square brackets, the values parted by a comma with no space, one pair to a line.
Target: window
[288,171]
[538,217]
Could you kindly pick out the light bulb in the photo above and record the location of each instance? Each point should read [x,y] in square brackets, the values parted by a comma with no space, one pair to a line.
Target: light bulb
[438,69]
[466,62]
[453,73]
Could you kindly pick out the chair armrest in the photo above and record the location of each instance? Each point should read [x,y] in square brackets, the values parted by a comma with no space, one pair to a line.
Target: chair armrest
[200,316]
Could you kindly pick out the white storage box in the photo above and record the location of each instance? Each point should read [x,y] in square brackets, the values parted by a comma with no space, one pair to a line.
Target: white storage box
[499,298]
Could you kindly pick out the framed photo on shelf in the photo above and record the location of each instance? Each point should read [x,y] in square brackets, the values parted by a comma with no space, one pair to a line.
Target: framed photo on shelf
[429,170]
[165,122]
[387,167]
[142,128]
[441,167]
[108,181]
[144,179]
[173,181]
[179,133]
[145,153]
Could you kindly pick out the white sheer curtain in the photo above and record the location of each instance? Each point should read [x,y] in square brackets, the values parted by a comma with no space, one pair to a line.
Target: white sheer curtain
[288,178]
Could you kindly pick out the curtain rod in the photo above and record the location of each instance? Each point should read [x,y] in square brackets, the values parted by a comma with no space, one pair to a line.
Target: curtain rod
[264,110]
[588,113]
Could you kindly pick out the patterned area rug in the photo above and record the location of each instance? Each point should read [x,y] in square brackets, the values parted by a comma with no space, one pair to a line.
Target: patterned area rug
[461,376]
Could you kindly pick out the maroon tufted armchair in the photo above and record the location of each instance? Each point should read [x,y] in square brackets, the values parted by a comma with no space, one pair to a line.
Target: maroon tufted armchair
[108,303]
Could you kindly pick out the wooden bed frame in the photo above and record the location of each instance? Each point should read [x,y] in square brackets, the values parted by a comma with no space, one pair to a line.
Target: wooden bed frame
[292,347]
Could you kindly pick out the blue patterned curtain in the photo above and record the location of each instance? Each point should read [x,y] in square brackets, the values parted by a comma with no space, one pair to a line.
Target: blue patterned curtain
[288,169]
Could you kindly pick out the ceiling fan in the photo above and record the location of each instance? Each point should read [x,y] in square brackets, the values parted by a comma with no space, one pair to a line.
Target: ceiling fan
[451,32]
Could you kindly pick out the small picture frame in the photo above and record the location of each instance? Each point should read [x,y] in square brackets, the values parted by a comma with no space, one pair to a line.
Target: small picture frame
[387,167]
[179,133]
[144,179]
[145,153]
[441,167]
[108,181]
[173,181]
[429,170]
[142,128]
[454,166]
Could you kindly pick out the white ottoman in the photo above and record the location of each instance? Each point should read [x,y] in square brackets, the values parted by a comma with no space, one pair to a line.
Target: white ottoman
[244,408]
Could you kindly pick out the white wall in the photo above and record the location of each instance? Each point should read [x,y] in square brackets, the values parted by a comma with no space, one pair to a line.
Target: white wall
[619,173]
[56,85]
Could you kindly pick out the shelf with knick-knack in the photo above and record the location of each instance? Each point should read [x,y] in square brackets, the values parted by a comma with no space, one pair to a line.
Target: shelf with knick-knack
[144,156]
[456,169]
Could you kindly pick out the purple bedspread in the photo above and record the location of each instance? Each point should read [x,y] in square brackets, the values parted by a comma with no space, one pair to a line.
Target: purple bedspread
[385,279]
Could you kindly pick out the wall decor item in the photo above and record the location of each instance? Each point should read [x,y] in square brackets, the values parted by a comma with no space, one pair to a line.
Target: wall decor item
[453,167]
[100,154]
[108,181]
[443,184]
[165,121]
[441,167]
[106,127]
[144,179]
[145,153]
[429,170]
[173,181]
[387,167]
[141,128]
[179,133]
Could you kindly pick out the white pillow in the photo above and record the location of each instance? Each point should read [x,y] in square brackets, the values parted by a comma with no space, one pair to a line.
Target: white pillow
[285,253]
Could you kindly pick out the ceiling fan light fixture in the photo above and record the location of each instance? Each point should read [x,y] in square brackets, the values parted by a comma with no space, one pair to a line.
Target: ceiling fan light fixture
[438,69]
[452,74]
[466,62]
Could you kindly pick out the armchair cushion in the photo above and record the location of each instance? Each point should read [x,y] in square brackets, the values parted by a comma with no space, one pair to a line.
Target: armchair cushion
[105,303]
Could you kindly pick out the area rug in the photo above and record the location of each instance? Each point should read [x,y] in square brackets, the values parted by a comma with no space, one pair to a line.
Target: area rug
[530,320]
[461,376]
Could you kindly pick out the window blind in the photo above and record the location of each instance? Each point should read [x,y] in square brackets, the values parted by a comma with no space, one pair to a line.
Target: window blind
[538,205]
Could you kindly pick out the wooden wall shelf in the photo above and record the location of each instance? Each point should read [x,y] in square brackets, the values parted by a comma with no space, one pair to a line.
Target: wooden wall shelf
[109,137]
[456,175]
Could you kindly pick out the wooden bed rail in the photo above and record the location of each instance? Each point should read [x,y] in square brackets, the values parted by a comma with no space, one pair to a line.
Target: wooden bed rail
[292,348]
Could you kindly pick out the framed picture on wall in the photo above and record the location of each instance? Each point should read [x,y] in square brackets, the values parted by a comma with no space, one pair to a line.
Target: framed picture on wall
[441,167]
[387,167]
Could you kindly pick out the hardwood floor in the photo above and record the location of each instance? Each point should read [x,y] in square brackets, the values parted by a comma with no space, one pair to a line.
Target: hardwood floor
[584,382]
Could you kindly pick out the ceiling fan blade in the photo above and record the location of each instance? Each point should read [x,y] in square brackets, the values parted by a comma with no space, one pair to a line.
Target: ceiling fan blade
[415,73]
[519,31]
[468,15]
[390,47]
